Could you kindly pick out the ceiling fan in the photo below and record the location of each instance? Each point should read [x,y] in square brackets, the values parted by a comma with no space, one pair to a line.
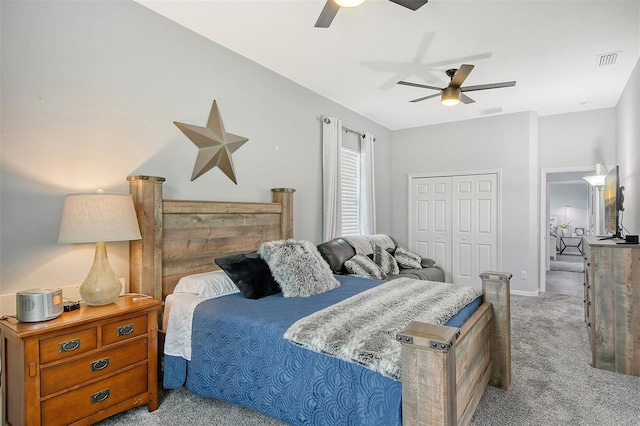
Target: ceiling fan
[331,8]
[453,93]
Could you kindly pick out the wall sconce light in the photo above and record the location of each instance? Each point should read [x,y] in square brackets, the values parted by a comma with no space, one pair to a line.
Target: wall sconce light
[98,218]
[597,180]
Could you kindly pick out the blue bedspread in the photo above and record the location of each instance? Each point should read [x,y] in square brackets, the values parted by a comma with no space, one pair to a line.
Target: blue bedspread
[240,356]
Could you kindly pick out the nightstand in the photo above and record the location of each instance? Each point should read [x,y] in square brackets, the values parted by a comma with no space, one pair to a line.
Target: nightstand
[83,366]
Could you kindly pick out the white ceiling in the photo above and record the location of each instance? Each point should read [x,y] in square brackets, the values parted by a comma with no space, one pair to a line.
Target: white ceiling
[549,47]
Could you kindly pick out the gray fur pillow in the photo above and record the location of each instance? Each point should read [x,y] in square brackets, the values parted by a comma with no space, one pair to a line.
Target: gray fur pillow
[407,259]
[385,260]
[298,268]
[362,265]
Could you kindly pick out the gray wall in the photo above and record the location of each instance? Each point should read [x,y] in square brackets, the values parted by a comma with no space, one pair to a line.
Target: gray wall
[90,91]
[581,139]
[507,143]
[569,202]
[628,150]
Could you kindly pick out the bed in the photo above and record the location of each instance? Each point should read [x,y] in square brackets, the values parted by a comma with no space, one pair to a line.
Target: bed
[445,369]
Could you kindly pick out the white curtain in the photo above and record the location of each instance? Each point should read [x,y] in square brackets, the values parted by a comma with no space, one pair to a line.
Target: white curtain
[331,196]
[367,200]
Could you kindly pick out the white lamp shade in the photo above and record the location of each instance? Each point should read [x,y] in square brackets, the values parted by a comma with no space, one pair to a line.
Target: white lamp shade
[98,217]
[596,180]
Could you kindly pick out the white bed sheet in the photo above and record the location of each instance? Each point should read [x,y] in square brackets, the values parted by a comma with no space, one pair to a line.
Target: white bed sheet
[178,317]
[180,305]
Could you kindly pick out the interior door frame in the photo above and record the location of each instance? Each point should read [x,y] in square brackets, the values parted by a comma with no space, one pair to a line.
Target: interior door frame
[543,242]
[497,172]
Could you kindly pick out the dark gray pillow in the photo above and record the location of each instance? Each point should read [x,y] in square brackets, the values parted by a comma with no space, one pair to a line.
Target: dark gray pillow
[427,263]
[250,273]
[385,260]
[362,265]
[298,268]
[407,259]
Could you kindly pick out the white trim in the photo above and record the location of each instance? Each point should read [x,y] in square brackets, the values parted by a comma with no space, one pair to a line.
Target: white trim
[458,173]
[525,293]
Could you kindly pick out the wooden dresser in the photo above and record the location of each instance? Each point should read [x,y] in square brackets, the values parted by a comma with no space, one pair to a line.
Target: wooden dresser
[81,367]
[612,304]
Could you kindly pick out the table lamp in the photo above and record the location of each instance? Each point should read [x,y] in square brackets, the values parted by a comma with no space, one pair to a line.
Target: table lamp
[99,217]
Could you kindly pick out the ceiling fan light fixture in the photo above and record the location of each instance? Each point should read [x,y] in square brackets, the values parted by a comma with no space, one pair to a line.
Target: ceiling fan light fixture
[349,3]
[450,96]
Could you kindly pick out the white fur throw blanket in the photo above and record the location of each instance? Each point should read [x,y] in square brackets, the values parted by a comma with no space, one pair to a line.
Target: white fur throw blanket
[360,244]
[362,329]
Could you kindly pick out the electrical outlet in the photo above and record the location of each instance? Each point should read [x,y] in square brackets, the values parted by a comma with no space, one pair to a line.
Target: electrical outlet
[523,275]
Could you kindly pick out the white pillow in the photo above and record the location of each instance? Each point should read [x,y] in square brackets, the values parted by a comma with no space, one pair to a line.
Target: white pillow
[208,285]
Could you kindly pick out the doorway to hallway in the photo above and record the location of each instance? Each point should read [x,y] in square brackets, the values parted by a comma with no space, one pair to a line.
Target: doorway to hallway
[567,210]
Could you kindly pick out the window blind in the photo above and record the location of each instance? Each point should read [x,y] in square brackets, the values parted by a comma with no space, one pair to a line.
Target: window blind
[350,173]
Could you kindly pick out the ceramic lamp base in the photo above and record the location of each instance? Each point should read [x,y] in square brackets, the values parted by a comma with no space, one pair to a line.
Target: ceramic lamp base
[101,286]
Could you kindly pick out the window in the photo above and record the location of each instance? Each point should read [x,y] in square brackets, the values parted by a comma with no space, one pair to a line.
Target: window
[348,197]
[350,177]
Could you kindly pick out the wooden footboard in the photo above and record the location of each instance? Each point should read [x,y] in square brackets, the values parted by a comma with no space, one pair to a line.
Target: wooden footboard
[445,370]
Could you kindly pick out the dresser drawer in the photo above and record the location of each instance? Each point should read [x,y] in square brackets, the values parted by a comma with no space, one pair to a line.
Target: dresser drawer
[67,345]
[89,367]
[82,402]
[124,329]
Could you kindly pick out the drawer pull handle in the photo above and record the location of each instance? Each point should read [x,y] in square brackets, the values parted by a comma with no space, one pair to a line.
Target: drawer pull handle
[69,345]
[100,364]
[100,396]
[126,329]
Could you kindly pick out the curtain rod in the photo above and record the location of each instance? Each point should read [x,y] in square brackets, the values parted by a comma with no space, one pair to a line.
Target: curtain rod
[348,130]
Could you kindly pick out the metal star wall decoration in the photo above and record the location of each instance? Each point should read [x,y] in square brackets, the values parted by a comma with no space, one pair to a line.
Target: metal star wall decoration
[214,143]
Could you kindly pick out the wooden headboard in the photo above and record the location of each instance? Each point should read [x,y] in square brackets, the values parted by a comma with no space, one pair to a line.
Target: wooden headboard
[183,237]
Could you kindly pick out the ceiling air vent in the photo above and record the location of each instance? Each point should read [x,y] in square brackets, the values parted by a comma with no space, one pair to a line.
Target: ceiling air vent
[605,59]
[488,111]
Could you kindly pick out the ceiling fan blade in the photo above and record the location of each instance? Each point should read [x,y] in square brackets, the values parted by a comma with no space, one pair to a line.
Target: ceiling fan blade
[465,99]
[424,86]
[426,97]
[461,75]
[410,4]
[329,12]
[488,86]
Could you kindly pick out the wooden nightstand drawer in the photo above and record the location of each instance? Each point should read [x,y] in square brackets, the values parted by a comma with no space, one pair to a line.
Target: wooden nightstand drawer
[82,402]
[81,367]
[124,329]
[89,367]
[67,345]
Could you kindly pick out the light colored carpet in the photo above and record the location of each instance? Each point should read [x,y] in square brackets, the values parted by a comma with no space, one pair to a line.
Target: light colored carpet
[552,382]
[559,265]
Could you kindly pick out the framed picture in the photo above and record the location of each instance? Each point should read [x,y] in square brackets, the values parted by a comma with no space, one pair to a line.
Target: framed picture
[579,232]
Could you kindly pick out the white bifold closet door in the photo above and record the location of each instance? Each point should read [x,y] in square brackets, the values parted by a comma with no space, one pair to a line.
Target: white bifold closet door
[454,220]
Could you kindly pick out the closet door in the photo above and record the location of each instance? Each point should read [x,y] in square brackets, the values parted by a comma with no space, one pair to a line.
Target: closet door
[473,227]
[454,220]
[430,220]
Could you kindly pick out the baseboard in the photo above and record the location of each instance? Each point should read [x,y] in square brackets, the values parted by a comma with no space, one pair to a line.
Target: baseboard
[525,293]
